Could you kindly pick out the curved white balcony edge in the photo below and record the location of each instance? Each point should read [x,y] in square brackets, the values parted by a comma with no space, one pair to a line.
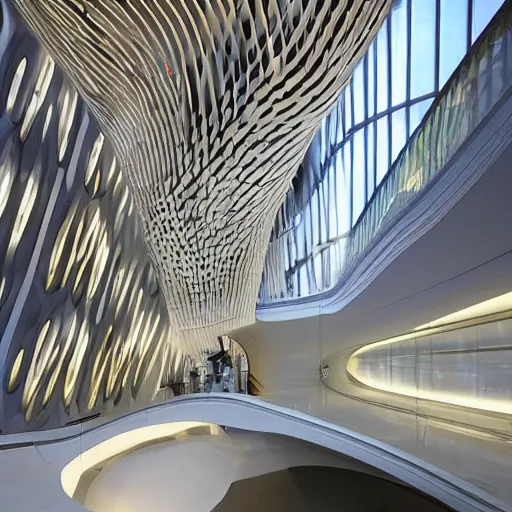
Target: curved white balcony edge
[54,450]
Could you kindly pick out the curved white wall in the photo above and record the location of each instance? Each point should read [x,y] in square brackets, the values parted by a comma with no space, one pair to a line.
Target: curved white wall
[189,474]
[193,474]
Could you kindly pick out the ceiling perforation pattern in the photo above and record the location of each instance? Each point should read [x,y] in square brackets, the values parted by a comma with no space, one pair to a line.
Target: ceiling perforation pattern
[210,107]
[129,245]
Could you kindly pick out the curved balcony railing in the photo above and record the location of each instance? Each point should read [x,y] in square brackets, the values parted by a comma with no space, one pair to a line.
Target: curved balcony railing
[482,78]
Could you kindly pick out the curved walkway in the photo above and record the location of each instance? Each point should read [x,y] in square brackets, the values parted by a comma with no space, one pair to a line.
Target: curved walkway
[36,460]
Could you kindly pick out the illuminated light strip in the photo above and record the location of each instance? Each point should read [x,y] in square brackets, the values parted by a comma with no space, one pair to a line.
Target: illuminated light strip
[98,369]
[483,404]
[490,309]
[15,371]
[47,121]
[10,328]
[503,315]
[497,304]
[26,207]
[59,245]
[75,364]
[7,176]
[67,115]
[42,85]
[15,85]
[117,445]
[46,383]
[36,368]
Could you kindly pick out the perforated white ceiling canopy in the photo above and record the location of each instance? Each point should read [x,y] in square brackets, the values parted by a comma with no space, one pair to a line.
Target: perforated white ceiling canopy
[210,106]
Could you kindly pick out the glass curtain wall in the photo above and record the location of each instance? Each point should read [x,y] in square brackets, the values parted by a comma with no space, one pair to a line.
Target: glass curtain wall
[414,54]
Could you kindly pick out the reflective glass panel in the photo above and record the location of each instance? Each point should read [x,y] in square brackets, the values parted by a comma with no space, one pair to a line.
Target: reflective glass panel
[301,239]
[293,242]
[483,11]
[341,122]
[370,160]
[333,126]
[370,62]
[423,47]
[343,190]
[323,213]
[287,263]
[343,185]
[359,93]
[315,218]
[319,277]
[399,133]
[304,281]
[359,171]
[308,228]
[416,113]
[398,53]
[334,198]
[382,148]
[453,36]
[382,68]
[323,140]
[347,107]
